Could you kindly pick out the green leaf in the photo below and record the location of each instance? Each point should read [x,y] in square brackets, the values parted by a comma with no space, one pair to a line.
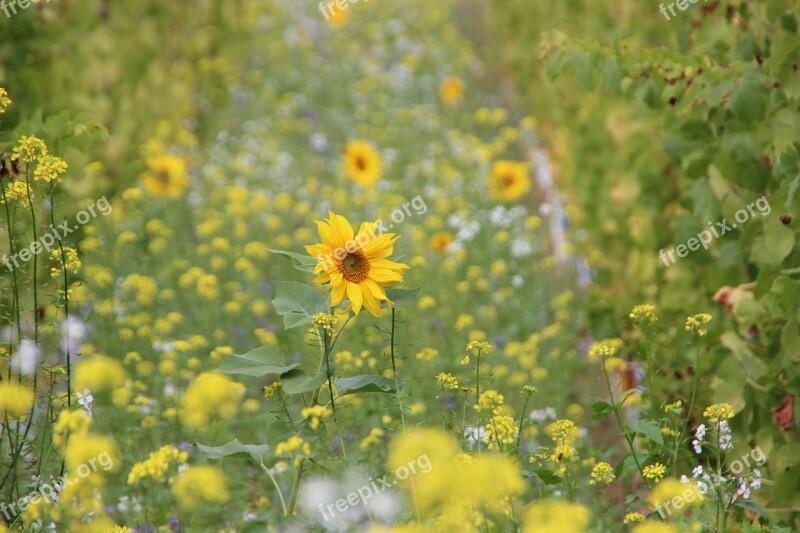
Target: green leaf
[402,297]
[600,410]
[548,477]
[649,429]
[365,383]
[235,449]
[748,103]
[750,505]
[298,382]
[304,263]
[259,362]
[298,302]
[771,248]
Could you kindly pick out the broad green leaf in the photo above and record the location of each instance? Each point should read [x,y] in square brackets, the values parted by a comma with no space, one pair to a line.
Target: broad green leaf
[771,248]
[304,263]
[259,362]
[363,383]
[296,381]
[235,449]
[600,410]
[401,297]
[649,429]
[548,477]
[750,505]
[298,302]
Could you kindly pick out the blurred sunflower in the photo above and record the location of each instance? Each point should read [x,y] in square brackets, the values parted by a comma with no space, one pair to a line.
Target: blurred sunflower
[451,90]
[356,266]
[166,176]
[508,180]
[338,17]
[441,241]
[362,163]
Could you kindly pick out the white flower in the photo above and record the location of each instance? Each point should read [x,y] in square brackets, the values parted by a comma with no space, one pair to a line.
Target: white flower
[85,400]
[73,330]
[26,359]
[474,434]
[540,415]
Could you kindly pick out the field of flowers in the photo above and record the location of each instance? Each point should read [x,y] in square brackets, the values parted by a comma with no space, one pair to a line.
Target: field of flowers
[399,267]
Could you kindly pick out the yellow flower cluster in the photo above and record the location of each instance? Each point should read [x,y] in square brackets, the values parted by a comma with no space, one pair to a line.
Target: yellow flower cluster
[718,411]
[489,400]
[19,191]
[643,314]
[447,381]
[326,322]
[157,464]
[445,481]
[501,429]
[672,488]
[16,400]
[209,397]
[272,391]
[633,518]
[426,354]
[29,149]
[479,347]
[314,414]
[374,437]
[602,474]
[99,373]
[564,434]
[556,515]
[201,485]
[655,472]
[294,445]
[695,323]
[85,451]
[70,424]
[50,168]
[5,101]
[604,349]
[70,261]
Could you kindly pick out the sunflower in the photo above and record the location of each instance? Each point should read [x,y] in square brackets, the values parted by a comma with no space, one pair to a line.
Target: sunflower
[166,176]
[338,16]
[508,180]
[362,163]
[356,266]
[451,90]
[441,241]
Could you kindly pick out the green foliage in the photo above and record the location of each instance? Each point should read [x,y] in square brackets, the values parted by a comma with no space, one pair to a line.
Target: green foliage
[656,128]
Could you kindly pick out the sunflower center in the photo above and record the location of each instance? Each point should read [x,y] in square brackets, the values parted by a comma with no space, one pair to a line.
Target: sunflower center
[361,163]
[354,267]
[507,180]
[162,176]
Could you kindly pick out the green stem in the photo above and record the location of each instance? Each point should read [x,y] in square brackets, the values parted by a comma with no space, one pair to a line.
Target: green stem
[295,488]
[689,412]
[623,428]
[521,419]
[277,488]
